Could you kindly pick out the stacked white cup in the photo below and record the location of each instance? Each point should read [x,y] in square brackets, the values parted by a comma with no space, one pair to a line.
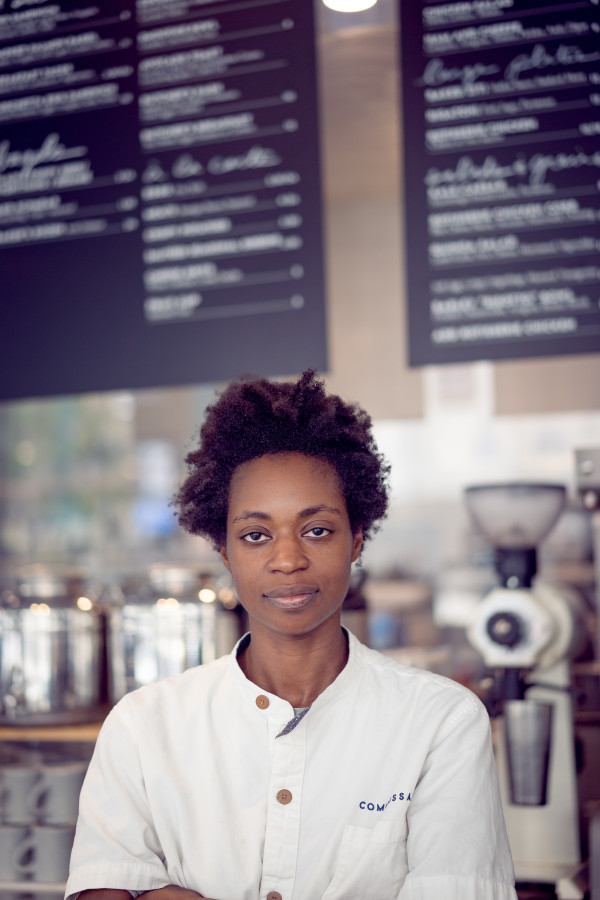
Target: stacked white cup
[38,811]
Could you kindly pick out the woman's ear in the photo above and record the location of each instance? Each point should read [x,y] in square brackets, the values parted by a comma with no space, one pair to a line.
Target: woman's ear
[224,557]
[358,542]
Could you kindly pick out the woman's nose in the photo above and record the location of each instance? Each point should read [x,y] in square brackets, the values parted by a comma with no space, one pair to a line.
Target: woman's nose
[287,555]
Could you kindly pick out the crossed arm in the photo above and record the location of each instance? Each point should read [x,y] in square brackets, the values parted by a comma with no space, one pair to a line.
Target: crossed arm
[170,892]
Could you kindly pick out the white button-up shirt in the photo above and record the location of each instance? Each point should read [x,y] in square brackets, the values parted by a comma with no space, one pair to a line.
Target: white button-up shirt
[386,789]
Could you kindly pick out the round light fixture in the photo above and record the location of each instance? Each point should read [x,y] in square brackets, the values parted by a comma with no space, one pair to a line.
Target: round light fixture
[349,6]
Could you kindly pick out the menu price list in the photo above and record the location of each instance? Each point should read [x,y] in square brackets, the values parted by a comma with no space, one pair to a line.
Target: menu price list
[501,114]
[160,204]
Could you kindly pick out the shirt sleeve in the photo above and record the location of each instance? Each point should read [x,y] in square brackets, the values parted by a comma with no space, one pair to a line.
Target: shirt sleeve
[457,844]
[116,845]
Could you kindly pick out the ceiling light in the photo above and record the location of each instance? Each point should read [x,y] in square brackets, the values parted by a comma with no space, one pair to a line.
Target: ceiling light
[349,6]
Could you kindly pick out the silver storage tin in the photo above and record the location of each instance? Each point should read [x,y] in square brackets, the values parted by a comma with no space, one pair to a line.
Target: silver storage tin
[52,649]
[170,620]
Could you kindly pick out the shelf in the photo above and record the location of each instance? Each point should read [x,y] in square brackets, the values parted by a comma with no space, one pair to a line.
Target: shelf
[32,887]
[87,732]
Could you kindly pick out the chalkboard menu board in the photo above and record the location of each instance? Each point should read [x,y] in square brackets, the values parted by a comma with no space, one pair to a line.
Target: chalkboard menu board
[160,203]
[501,113]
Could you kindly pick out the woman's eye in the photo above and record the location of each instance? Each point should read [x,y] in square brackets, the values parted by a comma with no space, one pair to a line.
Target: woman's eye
[254,537]
[318,531]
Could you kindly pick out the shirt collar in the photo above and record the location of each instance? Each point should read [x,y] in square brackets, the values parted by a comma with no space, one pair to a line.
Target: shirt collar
[277,706]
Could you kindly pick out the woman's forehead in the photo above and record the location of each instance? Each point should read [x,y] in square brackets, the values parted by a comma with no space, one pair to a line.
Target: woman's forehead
[283,473]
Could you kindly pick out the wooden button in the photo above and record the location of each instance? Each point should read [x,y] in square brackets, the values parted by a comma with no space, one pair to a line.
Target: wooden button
[262,702]
[284,797]
[274,895]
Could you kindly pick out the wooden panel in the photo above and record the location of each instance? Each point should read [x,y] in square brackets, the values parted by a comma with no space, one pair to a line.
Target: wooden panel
[359,112]
[363,227]
[51,733]
[562,384]
[366,321]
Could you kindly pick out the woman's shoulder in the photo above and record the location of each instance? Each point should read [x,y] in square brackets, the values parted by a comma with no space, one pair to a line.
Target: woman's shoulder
[181,690]
[403,676]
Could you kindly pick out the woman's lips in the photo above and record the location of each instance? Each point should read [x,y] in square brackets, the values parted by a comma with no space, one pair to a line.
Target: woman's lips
[295,596]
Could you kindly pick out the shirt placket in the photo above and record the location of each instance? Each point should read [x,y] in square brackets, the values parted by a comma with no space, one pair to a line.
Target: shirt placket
[282,833]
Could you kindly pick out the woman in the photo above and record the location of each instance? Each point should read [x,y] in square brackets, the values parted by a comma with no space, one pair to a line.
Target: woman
[304,766]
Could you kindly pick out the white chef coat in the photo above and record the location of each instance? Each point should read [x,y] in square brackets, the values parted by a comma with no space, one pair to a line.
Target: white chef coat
[386,789]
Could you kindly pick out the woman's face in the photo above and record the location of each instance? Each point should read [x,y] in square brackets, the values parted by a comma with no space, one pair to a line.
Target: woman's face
[289,543]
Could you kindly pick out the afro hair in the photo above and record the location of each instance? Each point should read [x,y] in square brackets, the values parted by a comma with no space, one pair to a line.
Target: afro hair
[254,417]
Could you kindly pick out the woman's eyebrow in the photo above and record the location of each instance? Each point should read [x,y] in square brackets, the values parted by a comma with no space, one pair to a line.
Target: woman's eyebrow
[313,510]
[250,514]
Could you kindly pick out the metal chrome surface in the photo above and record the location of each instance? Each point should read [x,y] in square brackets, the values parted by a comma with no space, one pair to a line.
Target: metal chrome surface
[51,649]
[173,619]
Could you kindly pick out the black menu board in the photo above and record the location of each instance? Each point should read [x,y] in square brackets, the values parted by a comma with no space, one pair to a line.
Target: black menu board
[501,113]
[160,202]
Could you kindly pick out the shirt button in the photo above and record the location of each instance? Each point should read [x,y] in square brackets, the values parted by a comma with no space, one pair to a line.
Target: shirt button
[284,797]
[274,895]
[262,702]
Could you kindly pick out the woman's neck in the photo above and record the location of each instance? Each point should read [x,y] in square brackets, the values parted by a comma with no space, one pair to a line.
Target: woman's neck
[296,668]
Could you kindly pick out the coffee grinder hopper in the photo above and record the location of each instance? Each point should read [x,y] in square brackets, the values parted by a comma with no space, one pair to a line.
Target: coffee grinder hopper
[515,518]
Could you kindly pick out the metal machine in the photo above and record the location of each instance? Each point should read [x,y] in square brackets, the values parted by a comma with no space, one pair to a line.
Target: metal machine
[527,631]
[588,484]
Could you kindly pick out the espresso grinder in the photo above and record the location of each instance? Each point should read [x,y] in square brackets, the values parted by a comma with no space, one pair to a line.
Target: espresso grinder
[527,630]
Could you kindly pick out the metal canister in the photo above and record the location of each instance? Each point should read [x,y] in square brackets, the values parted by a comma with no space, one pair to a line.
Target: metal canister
[51,648]
[173,618]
